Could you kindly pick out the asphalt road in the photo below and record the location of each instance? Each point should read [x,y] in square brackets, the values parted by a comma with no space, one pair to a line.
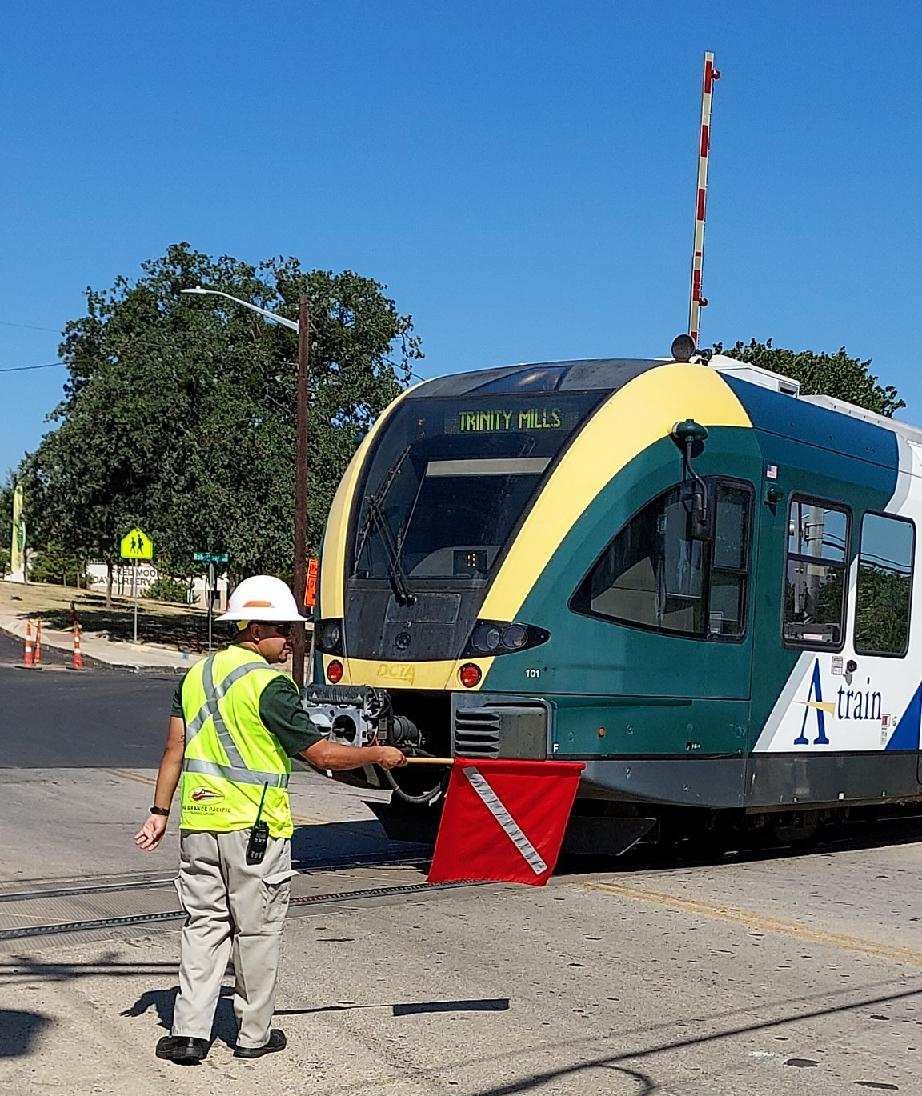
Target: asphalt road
[60,719]
[763,974]
[11,652]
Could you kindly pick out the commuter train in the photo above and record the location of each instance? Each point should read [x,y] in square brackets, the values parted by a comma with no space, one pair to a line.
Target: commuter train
[684,573]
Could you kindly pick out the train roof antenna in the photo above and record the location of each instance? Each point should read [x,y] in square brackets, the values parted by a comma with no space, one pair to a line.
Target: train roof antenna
[697,301]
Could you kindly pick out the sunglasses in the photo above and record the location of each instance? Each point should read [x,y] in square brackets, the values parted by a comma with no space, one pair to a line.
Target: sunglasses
[282,629]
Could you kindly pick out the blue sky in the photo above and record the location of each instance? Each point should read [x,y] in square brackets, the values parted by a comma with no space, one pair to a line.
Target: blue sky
[521,175]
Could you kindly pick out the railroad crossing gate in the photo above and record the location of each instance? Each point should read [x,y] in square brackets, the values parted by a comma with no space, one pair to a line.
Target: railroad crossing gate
[137,545]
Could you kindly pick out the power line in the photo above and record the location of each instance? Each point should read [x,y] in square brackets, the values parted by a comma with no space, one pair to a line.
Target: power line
[30,326]
[26,368]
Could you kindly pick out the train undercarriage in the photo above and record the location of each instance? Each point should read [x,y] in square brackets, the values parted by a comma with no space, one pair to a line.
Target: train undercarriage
[502,726]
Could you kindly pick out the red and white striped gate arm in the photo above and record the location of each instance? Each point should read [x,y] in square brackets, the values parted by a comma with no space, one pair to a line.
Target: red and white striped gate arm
[704,147]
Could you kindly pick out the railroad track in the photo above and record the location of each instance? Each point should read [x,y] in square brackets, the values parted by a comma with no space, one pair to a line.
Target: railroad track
[54,907]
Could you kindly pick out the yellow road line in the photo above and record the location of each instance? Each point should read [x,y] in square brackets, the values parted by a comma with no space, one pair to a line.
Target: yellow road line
[140,778]
[793,929]
[125,774]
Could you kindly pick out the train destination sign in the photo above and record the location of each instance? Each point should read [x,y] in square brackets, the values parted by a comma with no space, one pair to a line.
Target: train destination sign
[501,420]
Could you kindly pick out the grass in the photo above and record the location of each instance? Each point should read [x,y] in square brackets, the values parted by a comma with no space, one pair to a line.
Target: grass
[158,621]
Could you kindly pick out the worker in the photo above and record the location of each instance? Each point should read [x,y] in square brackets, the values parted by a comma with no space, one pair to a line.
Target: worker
[235,723]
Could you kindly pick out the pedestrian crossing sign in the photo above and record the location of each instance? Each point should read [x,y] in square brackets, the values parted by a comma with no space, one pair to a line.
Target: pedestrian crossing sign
[137,545]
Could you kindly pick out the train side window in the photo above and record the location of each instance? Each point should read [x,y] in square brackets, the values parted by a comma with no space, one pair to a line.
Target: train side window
[730,560]
[654,575]
[883,599]
[815,574]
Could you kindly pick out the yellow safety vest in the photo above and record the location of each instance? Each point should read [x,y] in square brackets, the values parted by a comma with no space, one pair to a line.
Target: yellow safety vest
[230,755]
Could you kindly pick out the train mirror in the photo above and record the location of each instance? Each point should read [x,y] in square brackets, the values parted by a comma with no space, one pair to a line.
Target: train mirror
[693,494]
[690,437]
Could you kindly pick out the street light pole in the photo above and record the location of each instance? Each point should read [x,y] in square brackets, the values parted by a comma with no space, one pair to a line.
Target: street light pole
[301,440]
[283,320]
[301,478]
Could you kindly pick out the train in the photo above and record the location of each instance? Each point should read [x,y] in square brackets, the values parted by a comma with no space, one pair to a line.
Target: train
[683,572]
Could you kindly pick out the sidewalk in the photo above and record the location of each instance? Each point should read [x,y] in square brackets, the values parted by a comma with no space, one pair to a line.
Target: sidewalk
[137,657]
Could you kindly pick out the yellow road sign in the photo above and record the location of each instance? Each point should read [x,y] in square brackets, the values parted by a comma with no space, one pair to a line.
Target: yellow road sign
[137,545]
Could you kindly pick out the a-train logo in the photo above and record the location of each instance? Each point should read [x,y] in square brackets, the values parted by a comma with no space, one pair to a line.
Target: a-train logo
[850,704]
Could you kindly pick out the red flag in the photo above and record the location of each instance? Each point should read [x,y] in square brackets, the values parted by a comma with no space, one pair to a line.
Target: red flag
[504,821]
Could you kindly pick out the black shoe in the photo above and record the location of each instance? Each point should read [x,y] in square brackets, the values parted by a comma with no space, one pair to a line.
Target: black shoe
[182,1051]
[277,1041]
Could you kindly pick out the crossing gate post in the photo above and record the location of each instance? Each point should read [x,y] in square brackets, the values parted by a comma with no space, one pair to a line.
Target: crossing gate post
[697,300]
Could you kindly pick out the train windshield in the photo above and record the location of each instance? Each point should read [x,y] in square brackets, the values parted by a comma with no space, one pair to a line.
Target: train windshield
[449,482]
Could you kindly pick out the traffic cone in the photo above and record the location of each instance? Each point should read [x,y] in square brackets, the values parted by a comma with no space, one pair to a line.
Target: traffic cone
[28,658]
[77,663]
[37,660]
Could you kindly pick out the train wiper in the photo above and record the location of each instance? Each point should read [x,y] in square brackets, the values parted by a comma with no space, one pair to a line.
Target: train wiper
[376,499]
[398,579]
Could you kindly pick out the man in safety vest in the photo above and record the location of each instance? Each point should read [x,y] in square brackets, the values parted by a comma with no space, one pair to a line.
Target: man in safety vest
[235,723]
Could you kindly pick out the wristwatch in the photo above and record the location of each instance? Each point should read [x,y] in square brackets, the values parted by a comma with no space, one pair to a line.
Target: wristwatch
[163,811]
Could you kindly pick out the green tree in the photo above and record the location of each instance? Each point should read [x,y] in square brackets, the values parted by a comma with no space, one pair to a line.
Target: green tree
[179,412]
[59,564]
[837,375]
[6,523]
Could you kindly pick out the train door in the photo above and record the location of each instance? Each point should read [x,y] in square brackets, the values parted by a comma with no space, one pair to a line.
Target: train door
[832,689]
[877,703]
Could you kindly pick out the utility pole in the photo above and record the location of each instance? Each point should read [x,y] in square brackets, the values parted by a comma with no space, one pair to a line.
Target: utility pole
[697,301]
[301,477]
[302,398]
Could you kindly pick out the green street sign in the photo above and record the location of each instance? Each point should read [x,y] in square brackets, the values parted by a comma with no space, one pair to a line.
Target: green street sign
[211,557]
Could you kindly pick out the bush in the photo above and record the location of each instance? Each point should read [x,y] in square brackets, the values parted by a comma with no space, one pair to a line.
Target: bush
[165,588]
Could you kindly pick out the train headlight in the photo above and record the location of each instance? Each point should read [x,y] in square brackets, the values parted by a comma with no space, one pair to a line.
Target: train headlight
[330,637]
[496,637]
[515,637]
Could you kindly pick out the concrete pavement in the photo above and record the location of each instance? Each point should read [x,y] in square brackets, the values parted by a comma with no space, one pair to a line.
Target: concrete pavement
[499,990]
[773,974]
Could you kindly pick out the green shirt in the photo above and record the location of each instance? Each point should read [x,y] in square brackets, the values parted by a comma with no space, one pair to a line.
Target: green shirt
[281,712]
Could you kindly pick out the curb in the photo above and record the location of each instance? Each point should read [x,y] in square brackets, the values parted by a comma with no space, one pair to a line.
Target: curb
[92,663]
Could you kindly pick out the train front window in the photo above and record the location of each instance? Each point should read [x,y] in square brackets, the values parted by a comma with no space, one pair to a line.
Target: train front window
[450,481]
[463,514]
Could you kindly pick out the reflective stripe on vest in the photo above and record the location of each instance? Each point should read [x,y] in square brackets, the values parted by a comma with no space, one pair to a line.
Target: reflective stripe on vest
[239,775]
[213,695]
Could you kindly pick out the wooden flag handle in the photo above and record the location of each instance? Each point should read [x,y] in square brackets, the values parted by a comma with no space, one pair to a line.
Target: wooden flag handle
[430,760]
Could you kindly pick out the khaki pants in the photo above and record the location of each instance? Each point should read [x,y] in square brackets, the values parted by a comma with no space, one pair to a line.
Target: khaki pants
[231,907]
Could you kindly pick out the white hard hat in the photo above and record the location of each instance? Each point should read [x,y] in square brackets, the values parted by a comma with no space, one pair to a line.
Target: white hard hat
[262,597]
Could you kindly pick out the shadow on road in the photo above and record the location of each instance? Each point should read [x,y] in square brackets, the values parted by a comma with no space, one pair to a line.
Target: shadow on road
[19,1031]
[715,850]
[346,845]
[163,1000]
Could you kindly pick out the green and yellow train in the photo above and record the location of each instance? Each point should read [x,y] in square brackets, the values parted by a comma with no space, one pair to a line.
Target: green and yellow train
[688,575]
